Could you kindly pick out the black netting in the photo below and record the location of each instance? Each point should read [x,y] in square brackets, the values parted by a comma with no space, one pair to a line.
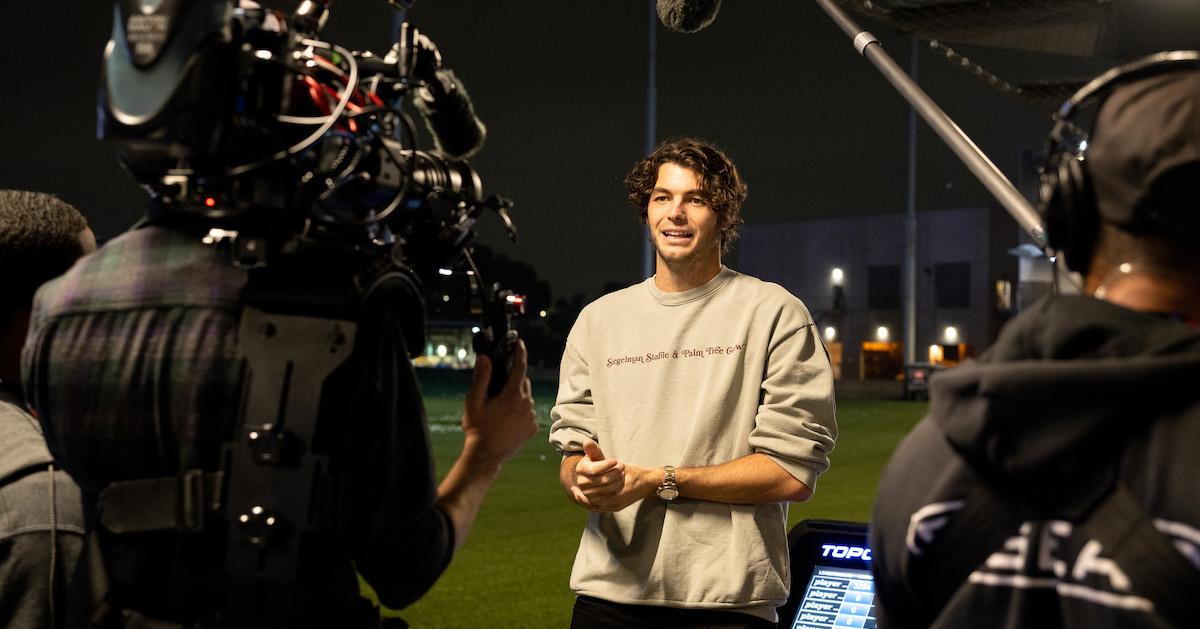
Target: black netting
[1040,51]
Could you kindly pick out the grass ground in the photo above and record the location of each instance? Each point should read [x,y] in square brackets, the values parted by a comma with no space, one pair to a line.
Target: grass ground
[513,569]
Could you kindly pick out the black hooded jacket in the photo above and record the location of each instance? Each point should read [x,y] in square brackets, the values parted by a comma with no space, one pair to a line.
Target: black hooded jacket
[1076,396]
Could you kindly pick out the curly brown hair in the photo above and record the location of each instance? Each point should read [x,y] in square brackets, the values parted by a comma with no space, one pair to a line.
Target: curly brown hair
[720,182]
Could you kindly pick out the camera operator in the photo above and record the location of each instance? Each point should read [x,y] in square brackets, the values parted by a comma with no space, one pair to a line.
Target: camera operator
[132,365]
[138,371]
[1053,483]
[41,524]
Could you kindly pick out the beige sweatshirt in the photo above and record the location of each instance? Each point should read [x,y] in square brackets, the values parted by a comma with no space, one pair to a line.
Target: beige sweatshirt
[692,379]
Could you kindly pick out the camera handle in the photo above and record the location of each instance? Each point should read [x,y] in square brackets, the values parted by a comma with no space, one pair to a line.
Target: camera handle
[495,339]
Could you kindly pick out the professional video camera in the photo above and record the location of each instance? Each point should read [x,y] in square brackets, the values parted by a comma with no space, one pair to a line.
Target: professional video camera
[239,116]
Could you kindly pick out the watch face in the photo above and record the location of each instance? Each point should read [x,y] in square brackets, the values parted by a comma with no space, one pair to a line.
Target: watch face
[668,493]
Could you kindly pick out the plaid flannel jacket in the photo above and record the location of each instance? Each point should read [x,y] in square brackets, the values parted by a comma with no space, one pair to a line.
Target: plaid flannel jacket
[132,364]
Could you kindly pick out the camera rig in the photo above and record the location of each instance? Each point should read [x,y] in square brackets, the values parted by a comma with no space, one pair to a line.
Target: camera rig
[250,131]
[239,117]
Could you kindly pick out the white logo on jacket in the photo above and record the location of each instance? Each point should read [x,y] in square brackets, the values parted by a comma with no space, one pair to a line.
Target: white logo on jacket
[1052,566]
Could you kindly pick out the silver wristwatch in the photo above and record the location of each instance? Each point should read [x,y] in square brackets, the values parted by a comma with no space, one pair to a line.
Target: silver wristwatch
[668,490]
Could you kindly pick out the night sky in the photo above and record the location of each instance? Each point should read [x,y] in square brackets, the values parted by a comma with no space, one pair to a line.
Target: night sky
[561,85]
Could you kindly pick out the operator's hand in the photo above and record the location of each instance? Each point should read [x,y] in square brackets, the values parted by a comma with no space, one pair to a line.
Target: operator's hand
[497,428]
[605,484]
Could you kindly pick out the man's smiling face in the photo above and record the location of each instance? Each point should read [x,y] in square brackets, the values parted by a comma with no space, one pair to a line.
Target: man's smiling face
[683,228]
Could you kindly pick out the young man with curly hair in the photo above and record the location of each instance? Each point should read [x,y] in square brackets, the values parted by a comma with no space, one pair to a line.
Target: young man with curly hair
[692,408]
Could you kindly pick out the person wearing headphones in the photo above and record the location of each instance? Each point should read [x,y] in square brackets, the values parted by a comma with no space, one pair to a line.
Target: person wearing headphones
[1053,482]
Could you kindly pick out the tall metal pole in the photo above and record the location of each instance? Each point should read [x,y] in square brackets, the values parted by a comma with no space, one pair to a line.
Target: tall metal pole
[966,150]
[651,115]
[910,227]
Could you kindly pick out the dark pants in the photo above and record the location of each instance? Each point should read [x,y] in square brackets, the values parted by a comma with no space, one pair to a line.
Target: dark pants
[593,613]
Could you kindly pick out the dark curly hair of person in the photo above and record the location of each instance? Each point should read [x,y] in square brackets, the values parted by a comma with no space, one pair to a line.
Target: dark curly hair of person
[39,240]
[720,182]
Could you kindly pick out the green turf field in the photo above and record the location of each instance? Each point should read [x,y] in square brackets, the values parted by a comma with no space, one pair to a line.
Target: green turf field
[513,569]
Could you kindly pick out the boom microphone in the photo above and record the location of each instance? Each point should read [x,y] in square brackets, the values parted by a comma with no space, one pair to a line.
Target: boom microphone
[687,16]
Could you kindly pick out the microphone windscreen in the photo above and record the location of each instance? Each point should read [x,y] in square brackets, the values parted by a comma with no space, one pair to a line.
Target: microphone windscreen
[687,16]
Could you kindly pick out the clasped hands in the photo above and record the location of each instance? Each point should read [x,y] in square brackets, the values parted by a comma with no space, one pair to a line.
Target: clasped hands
[604,484]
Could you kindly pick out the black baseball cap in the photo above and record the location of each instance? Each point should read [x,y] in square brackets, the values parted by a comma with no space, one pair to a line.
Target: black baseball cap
[1144,155]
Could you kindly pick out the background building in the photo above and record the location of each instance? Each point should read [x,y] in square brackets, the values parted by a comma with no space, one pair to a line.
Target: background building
[966,280]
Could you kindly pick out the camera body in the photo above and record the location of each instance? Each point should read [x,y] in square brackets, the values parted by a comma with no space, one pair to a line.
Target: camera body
[240,116]
[228,110]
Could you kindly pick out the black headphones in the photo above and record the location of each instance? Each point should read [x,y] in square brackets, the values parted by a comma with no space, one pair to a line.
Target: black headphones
[1068,204]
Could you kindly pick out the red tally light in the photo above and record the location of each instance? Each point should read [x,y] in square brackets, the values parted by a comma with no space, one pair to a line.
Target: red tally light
[210,202]
[517,302]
